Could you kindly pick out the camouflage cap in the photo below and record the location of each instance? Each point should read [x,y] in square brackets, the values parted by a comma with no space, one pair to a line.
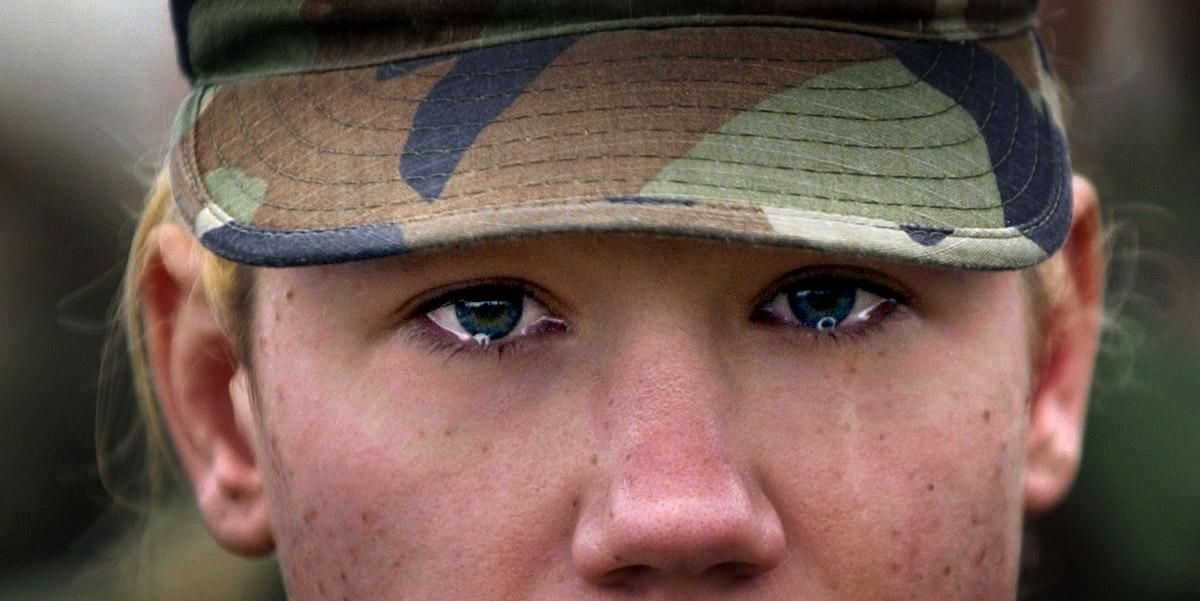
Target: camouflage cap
[321,131]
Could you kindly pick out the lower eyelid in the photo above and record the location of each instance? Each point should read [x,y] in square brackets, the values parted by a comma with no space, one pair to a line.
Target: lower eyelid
[437,341]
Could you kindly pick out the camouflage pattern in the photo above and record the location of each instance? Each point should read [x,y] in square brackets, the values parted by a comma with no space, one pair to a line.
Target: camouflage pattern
[922,131]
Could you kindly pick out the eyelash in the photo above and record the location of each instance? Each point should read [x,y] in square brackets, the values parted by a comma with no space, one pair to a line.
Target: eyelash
[426,329]
[874,316]
[437,345]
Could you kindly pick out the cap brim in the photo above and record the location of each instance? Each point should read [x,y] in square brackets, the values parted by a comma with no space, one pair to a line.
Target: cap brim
[941,153]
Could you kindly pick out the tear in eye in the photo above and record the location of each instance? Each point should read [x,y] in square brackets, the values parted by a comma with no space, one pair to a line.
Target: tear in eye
[488,314]
[827,305]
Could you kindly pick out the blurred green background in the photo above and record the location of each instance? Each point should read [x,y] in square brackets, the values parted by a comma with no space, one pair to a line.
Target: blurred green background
[87,94]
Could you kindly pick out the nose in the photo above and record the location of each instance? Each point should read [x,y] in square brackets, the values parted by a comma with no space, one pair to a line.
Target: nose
[675,500]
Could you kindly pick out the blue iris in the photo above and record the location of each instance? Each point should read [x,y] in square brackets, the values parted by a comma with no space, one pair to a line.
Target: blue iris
[491,312]
[822,308]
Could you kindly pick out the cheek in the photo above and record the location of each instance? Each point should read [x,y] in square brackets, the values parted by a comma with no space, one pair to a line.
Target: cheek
[377,492]
[906,504]
[904,483]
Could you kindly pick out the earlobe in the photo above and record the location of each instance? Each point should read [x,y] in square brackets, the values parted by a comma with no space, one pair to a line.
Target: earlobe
[1070,328]
[204,393]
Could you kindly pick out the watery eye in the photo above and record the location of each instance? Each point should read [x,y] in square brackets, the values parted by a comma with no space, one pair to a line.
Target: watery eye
[827,305]
[490,317]
[489,314]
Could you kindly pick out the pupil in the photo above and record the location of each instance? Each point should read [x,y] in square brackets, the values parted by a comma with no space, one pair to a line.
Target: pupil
[822,308]
[493,314]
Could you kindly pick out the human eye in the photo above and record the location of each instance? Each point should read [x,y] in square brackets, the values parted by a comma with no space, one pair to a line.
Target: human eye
[829,303]
[488,316]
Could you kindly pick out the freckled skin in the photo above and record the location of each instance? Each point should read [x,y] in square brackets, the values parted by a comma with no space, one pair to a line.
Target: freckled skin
[666,446]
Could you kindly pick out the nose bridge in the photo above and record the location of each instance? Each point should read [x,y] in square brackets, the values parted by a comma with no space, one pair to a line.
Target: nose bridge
[674,464]
[672,441]
[672,497]
[664,351]
[669,402]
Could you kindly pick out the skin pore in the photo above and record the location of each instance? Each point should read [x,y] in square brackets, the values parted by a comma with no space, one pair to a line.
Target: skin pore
[669,426]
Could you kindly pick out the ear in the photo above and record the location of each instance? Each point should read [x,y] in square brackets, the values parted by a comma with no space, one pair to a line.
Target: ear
[204,393]
[1070,329]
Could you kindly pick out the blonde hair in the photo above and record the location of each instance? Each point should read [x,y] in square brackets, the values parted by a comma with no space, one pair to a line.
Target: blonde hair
[226,286]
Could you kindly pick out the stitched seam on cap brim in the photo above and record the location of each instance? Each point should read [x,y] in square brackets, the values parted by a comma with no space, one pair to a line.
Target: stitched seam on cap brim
[191,166]
[917,79]
[781,168]
[966,33]
[945,253]
[729,214]
[597,110]
[1052,208]
[554,182]
[604,181]
[192,182]
[300,137]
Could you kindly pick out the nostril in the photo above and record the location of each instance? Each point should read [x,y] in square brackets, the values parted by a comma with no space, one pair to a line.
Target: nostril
[625,578]
[734,572]
[632,578]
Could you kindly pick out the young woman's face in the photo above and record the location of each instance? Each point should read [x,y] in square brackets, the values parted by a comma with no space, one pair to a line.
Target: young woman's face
[593,417]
